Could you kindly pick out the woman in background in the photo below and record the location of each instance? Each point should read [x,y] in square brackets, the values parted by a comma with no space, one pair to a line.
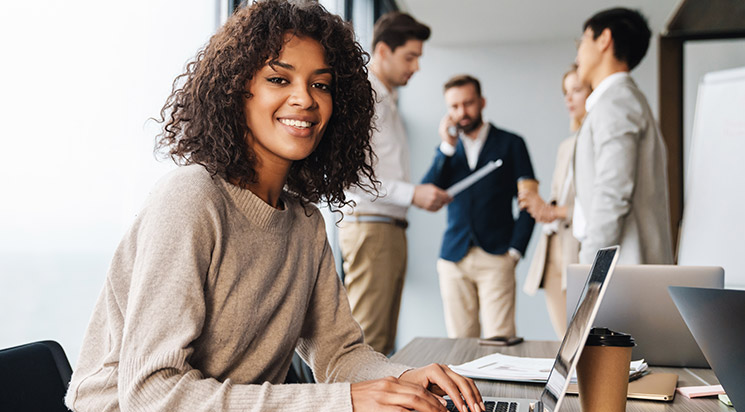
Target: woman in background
[557,247]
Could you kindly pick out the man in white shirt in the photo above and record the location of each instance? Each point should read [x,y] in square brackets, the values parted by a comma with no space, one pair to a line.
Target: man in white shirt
[620,158]
[372,235]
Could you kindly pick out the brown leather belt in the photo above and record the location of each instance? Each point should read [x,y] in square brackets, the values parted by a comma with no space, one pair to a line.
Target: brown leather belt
[377,219]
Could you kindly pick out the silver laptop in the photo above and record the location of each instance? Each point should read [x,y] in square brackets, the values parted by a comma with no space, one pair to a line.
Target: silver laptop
[638,303]
[572,345]
[715,317]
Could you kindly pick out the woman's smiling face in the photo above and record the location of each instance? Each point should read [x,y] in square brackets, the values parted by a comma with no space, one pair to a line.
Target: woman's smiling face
[290,103]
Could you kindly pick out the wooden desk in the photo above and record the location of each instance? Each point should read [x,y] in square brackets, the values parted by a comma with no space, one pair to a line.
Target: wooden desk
[423,351]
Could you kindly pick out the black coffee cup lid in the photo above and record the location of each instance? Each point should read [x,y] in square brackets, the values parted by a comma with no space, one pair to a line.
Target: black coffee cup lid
[607,337]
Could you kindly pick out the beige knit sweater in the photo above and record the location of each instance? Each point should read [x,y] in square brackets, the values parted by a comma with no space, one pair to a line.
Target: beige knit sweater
[208,295]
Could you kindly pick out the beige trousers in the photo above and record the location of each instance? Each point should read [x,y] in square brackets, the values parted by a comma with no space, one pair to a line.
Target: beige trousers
[479,285]
[556,297]
[374,256]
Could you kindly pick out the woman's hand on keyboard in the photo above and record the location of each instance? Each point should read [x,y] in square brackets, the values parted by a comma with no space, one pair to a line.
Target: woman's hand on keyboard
[439,379]
[391,394]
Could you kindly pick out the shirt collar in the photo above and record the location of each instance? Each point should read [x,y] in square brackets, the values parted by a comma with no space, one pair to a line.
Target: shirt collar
[602,87]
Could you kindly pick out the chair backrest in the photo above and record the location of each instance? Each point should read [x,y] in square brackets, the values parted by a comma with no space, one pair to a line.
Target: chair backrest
[34,377]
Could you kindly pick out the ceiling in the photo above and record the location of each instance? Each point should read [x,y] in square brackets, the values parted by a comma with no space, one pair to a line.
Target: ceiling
[458,22]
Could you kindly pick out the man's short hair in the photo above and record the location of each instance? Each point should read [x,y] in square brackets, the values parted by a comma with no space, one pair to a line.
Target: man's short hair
[396,28]
[629,30]
[462,80]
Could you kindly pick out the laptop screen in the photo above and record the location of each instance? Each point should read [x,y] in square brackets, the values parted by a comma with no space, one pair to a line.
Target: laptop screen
[579,328]
[715,319]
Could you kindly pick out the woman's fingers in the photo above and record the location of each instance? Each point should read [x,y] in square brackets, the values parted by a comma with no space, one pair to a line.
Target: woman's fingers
[391,393]
[442,380]
[462,386]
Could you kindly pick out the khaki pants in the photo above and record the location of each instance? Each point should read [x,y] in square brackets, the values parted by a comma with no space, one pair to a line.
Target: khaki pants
[480,284]
[374,267]
[556,298]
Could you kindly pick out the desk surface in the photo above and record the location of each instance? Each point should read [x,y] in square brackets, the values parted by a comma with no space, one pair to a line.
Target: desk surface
[423,351]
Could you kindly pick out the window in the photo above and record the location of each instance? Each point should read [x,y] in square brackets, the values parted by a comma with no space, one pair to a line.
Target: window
[83,80]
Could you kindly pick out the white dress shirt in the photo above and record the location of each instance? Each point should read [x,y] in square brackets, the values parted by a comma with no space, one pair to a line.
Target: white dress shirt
[553,226]
[390,145]
[579,228]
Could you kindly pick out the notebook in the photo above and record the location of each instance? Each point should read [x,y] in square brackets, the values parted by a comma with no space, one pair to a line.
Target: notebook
[571,347]
[637,303]
[715,317]
[652,387]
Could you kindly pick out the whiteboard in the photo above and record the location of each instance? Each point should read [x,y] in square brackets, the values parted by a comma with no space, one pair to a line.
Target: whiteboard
[713,225]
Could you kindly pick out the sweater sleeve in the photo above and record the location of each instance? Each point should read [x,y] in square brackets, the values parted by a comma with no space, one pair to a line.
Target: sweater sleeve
[332,341]
[165,312]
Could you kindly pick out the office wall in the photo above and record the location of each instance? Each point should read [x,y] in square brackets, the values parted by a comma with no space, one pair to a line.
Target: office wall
[521,83]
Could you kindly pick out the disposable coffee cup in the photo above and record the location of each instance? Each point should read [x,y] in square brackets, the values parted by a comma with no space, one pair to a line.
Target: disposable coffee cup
[526,184]
[603,371]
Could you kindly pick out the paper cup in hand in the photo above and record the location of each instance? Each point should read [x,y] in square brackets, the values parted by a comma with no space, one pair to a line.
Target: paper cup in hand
[525,184]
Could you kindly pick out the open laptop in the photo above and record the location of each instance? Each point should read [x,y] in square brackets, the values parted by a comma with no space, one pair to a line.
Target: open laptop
[572,345]
[638,303]
[715,318]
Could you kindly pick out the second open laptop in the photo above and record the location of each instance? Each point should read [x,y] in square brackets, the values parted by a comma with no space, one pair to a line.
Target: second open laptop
[714,316]
[638,303]
[597,279]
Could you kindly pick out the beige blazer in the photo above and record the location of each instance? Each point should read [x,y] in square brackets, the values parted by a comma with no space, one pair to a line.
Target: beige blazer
[569,245]
[621,179]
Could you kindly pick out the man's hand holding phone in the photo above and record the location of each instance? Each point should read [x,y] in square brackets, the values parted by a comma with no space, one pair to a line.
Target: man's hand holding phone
[447,126]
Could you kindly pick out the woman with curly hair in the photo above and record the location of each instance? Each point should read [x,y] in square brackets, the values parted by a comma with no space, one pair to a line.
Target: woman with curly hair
[227,271]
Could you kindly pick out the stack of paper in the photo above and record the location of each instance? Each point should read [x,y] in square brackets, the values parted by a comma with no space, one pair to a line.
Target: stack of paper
[514,368]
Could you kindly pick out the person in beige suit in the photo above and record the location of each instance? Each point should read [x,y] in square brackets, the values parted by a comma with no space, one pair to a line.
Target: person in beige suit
[620,163]
[557,246]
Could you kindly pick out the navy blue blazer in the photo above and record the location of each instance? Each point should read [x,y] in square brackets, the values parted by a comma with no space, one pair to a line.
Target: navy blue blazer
[482,214]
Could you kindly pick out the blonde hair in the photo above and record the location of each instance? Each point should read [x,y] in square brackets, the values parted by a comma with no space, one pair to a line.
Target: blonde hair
[574,123]
[572,69]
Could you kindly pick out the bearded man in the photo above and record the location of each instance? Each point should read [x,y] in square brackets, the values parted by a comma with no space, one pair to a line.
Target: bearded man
[483,241]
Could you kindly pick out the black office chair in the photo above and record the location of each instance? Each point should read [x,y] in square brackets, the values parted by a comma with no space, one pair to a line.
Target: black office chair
[34,377]
[299,371]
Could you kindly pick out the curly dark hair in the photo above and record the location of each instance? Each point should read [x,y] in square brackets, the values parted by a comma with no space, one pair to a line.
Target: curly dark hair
[205,119]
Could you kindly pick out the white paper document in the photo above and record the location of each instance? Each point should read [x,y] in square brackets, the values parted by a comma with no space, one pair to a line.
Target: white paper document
[518,369]
[473,178]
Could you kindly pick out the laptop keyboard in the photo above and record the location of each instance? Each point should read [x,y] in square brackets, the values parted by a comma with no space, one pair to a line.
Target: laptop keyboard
[490,406]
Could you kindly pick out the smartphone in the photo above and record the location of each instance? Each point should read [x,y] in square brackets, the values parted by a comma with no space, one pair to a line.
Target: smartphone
[453,131]
[501,340]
